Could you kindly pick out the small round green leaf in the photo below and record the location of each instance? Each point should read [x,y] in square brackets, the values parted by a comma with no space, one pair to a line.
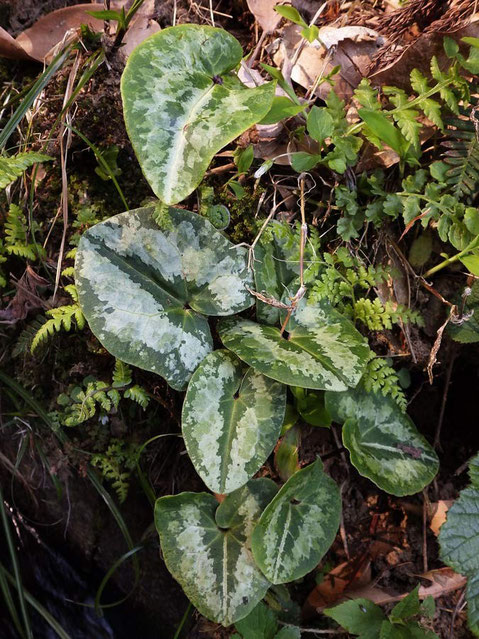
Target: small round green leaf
[207,548]
[322,349]
[384,444]
[144,290]
[298,526]
[182,104]
[232,418]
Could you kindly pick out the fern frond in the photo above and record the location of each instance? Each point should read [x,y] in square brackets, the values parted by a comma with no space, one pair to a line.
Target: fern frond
[379,377]
[137,394]
[121,374]
[12,167]
[26,337]
[60,318]
[462,156]
[378,316]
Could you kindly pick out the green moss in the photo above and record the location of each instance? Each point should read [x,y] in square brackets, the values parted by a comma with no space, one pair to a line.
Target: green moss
[244,225]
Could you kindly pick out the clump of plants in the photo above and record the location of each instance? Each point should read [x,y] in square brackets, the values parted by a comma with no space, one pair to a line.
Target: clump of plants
[153,281]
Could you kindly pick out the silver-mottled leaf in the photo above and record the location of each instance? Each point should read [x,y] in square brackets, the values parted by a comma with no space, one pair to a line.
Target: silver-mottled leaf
[298,526]
[207,548]
[144,289]
[232,417]
[321,349]
[384,443]
[182,104]
[276,265]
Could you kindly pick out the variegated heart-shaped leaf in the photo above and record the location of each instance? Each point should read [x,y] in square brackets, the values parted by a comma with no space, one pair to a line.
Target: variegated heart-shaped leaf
[321,349]
[207,548]
[182,104]
[277,264]
[232,418]
[144,289]
[298,526]
[384,443]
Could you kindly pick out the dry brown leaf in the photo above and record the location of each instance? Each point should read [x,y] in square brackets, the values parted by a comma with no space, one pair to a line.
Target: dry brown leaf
[39,41]
[51,28]
[9,47]
[140,28]
[263,10]
[419,53]
[331,589]
[443,581]
[25,298]
[349,47]
[439,511]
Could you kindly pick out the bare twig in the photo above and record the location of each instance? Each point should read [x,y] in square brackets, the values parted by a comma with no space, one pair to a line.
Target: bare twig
[64,146]
[447,383]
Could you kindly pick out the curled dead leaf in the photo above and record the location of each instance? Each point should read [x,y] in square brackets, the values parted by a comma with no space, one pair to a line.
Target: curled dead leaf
[50,29]
[351,48]
[263,10]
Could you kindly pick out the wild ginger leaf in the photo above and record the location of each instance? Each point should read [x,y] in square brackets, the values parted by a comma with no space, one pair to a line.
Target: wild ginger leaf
[182,104]
[207,548]
[145,290]
[384,444]
[298,526]
[231,420]
[321,350]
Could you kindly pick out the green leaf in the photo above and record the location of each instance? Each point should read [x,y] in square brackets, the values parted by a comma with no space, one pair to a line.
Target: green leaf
[281,108]
[182,104]
[382,128]
[472,597]
[459,536]
[298,526]
[286,458]
[290,13]
[276,265]
[231,420]
[467,332]
[310,405]
[144,290]
[303,161]
[289,632]
[384,444]
[310,33]
[408,607]
[358,616]
[420,250]
[259,624]
[471,262]
[244,158]
[321,350]
[450,47]
[471,220]
[320,124]
[207,548]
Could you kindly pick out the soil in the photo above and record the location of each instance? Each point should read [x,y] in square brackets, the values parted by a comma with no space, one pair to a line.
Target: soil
[74,530]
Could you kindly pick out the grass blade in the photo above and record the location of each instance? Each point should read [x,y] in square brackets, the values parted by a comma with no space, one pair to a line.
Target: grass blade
[32,94]
[51,621]
[16,570]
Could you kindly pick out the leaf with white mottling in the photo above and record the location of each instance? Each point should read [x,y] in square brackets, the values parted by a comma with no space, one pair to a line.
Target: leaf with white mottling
[276,265]
[232,418]
[321,349]
[182,104]
[207,548]
[144,290]
[384,443]
[298,526]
